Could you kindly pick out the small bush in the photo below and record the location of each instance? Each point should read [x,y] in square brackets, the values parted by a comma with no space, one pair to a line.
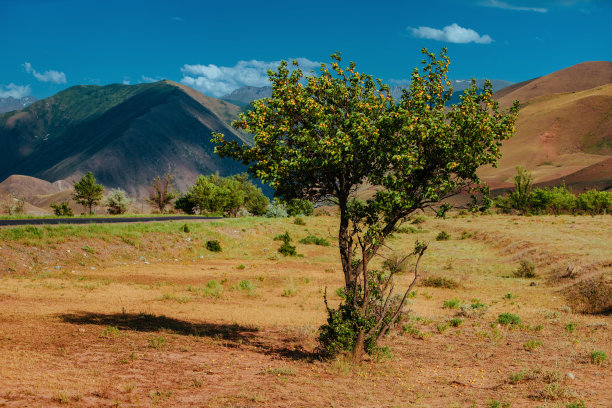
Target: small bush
[456,322]
[497,404]
[299,221]
[598,357]
[443,236]
[466,235]
[213,246]
[276,210]
[474,309]
[62,209]
[591,296]
[440,282]
[111,331]
[299,207]
[117,202]
[570,327]
[286,249]
[311,239]
[185,228]
[452,304]
[508,319]
[531,345]
[526,269]
[282,237]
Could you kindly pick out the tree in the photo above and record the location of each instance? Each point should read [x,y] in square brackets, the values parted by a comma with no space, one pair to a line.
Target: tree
[87,192]
[342,129]
[161,192]
[117,202]
[214,194]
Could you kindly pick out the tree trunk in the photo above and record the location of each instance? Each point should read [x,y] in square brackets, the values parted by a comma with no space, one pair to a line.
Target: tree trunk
[359,349]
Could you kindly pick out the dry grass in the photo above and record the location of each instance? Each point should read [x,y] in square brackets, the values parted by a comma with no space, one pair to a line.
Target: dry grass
[147,327]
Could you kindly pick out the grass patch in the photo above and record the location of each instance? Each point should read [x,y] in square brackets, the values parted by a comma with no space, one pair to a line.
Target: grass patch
[311,239]
[443,236]
[506,319]
[598,357]
[440,282]
[526,269]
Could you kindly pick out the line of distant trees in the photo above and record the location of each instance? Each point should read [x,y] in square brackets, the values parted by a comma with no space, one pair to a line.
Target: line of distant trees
[212,195]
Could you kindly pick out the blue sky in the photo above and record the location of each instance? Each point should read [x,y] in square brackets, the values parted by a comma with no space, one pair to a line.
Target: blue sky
[49,45]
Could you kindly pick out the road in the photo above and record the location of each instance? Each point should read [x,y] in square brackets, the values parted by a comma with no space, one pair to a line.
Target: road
[101,220]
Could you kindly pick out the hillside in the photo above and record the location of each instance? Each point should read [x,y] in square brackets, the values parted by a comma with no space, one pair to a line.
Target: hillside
[564,129]
[125,134]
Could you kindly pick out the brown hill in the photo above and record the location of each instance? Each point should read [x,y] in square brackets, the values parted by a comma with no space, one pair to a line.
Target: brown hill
[564,129]
[580,77]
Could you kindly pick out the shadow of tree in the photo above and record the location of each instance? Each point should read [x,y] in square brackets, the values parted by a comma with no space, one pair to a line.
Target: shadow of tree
[144,322]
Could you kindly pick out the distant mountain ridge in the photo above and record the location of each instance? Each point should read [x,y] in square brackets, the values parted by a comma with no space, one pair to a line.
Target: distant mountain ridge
[10,104]
[125,134]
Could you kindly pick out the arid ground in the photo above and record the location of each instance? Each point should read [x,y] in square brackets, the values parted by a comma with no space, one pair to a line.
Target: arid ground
[145,315]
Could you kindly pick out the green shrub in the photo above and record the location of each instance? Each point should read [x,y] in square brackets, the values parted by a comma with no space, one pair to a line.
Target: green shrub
[526,269]
[508,318]
[594,202]
[185,228]
[440,282]
[299,221]
[299,207]
[443,236]
[282,237]
[456,322]
[570,327]
[598,356]
[286,249]
[475,309]
[62,209]
[276,210]
[213,246]
[531,345]
[452,304]
[117,202]
[245,285]
[311,239]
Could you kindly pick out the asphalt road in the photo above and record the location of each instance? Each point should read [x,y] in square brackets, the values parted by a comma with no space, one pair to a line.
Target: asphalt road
[101,220]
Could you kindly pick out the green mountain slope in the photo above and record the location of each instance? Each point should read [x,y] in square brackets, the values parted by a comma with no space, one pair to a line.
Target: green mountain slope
[125,134]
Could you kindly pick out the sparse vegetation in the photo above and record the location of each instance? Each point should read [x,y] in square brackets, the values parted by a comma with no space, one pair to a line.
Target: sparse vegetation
[506,319]
[526,269]
[213,245]
[311,239]
[62,209]
[439,282]
[443,236]
[598,356]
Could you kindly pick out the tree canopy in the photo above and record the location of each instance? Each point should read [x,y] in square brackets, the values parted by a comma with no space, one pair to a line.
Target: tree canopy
[324,136]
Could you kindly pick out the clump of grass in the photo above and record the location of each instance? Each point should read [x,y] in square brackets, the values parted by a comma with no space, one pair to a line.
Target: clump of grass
[279,371]
[442,327]
[456,322]
[88,249]
[157,342]
[283,237]
[241,266]
[185,228]
[111,331]
[443,236]
[570,327]
[532,344]
[174,297]
[598,356]
[452,304]
[475,309]
[213,246]
[497,404]
[417,220]
[509,296]
[508,319]
[311,239]
[466,235]
[299,221]
[526,269]
[440,282]
[406,230]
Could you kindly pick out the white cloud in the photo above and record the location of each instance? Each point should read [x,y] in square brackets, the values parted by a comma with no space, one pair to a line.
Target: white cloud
[507,6]
[145,78]
[14,91]
[126,82]
[55,77]
[453,33]
[217,80]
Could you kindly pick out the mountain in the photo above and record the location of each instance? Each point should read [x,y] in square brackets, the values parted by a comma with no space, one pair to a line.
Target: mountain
[124,134]
[10,104]
[564,129]
[246,94]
